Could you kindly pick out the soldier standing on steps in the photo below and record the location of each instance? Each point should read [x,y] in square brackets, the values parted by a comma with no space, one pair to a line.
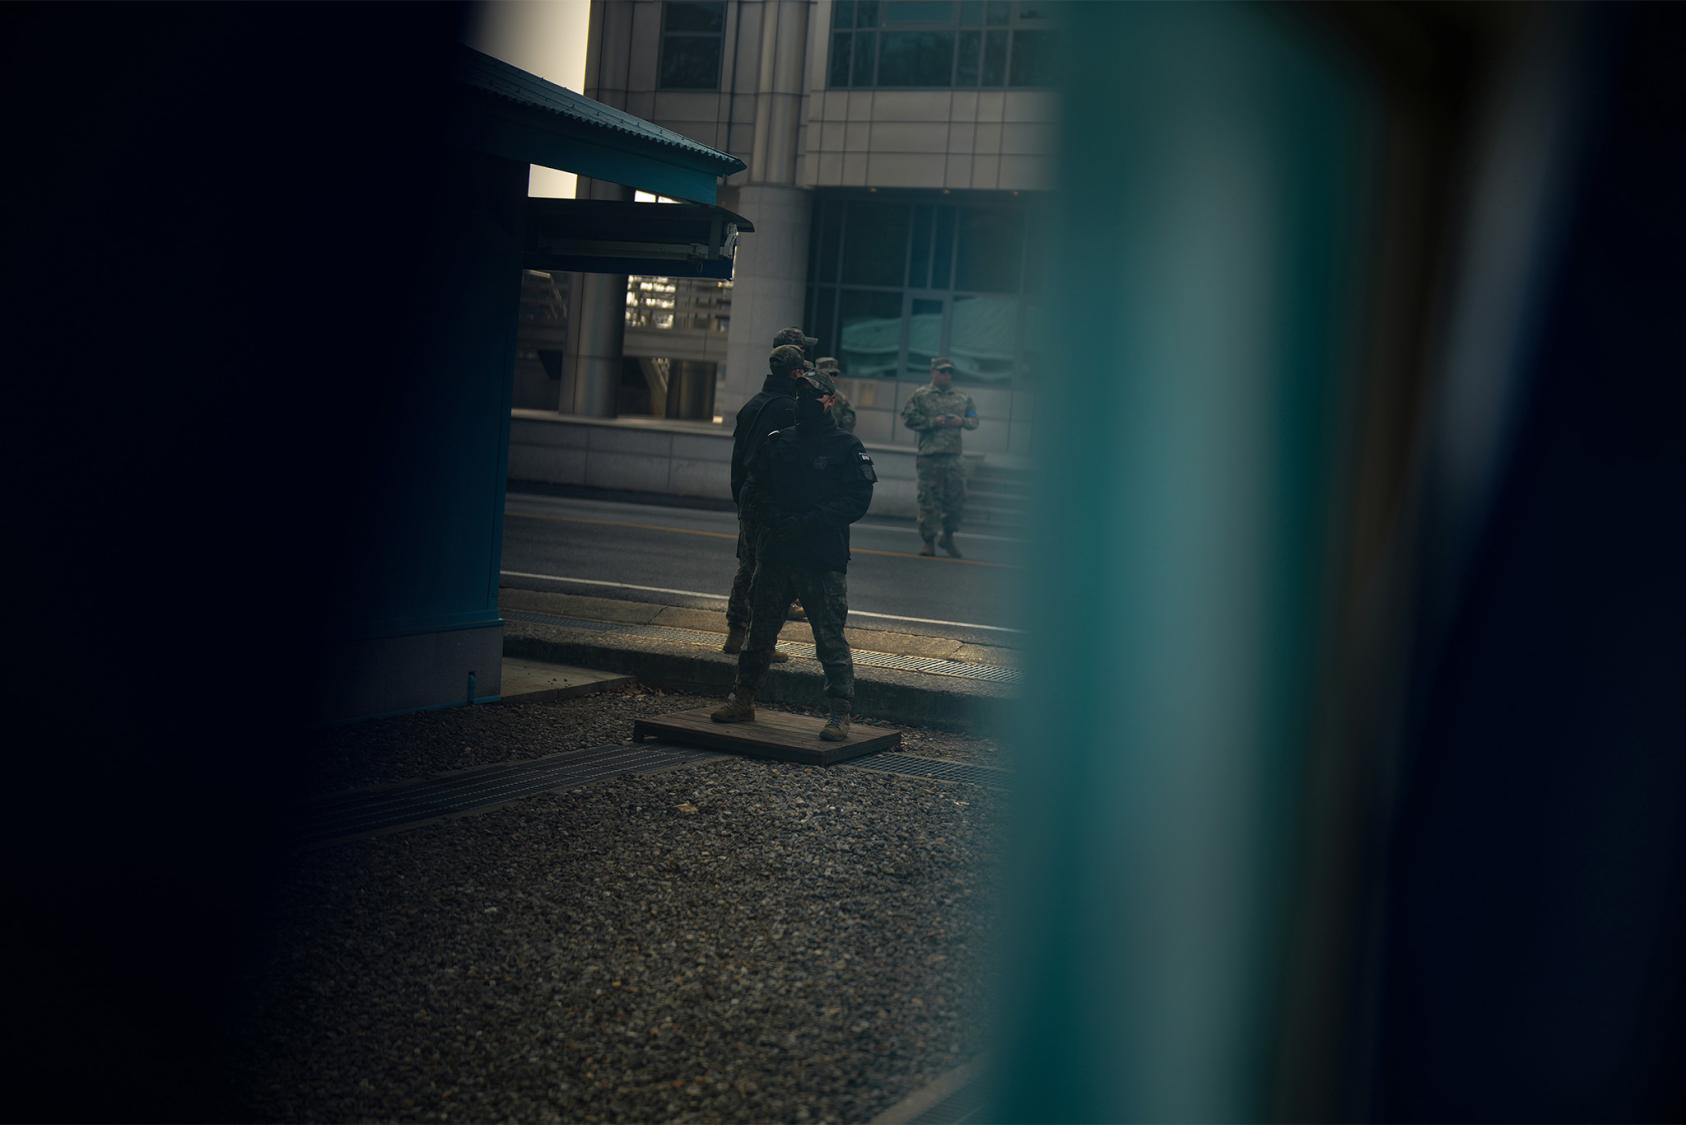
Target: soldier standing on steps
[774,408]
[938,413]
[807,484]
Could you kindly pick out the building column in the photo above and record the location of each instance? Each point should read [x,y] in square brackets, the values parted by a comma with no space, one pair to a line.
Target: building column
[770,276]
[597,328]
[769,285]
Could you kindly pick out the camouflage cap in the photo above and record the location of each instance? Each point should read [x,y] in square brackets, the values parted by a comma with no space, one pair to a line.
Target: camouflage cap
[795,336]
[940,361]
[821,378]
[828,363]
[784,357]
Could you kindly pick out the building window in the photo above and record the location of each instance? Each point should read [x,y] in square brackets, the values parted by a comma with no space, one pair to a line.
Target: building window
[693,36]
[896,278]
[913,44]
[675,329]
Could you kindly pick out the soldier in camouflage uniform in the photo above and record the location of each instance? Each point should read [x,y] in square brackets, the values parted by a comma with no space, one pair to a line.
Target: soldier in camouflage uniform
[774,408]
[938,413]
[806,486]
[840,409]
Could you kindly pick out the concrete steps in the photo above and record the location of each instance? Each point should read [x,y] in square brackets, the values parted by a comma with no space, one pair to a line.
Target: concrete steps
[998,498]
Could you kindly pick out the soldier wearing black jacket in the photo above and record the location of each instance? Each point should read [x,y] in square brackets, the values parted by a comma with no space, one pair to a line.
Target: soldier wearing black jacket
[774,408]
[805,486]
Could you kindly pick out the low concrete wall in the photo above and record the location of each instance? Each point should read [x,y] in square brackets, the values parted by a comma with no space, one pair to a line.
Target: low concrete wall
[378,676]
[691,459]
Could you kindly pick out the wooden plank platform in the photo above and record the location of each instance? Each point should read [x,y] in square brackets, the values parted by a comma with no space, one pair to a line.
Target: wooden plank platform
[773,734]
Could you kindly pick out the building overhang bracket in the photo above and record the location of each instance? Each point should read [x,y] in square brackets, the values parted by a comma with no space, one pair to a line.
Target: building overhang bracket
[607,236]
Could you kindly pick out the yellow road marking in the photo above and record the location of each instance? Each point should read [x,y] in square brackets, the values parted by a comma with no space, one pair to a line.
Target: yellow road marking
[705,534]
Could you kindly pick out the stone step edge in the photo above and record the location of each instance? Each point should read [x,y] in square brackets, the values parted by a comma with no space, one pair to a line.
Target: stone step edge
[961,707]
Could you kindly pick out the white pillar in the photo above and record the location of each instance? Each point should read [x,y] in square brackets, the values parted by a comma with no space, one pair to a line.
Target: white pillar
[597,329]
[769,285]
[770,276]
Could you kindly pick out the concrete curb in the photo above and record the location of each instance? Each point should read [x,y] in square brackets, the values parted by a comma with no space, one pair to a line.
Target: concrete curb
[883,694]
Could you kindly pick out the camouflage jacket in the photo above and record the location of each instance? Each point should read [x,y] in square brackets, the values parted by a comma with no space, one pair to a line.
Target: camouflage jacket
[844,413]
[926,405]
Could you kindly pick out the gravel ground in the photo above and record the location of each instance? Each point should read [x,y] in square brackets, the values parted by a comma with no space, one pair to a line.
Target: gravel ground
[735,941]
[420,745]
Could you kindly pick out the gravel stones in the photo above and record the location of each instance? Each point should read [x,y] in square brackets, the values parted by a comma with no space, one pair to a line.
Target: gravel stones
[805,945]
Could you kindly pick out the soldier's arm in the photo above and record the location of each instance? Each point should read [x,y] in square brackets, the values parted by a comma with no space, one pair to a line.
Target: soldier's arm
[914,416]
[754,494]
[739,469]
[970,419]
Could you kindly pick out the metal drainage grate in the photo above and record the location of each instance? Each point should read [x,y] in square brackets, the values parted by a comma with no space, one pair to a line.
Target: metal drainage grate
[372,812]
[912,765]
[991,673]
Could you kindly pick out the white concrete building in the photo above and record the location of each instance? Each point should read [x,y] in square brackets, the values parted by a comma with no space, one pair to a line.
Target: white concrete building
[899,157]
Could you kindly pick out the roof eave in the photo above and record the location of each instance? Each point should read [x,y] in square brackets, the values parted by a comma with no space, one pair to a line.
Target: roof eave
[532,136]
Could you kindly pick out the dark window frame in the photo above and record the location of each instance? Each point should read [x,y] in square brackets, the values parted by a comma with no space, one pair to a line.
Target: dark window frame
[832,289]
[668,35]
[1008,19]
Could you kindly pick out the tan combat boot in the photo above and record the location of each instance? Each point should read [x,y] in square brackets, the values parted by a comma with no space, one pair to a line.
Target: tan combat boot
[738,709]
[734,639]
[836,728]
[777,657]
[929,550]
[947,544]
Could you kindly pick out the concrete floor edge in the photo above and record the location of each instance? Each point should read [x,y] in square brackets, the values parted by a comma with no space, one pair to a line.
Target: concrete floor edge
[966,712]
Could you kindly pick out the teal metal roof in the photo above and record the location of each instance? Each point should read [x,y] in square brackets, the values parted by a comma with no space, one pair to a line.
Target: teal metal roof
[552,126]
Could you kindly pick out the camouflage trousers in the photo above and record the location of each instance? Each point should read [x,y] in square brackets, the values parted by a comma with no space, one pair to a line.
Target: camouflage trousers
[737,605]
[825,596]
[942,493]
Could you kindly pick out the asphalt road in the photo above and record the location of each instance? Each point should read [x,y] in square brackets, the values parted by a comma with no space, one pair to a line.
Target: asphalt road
[689,556]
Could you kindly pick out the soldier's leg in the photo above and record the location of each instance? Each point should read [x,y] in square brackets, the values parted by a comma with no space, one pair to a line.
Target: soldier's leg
[827,595]
[769,596]
[929,494]
[737,605]
[954,496]
[769,592]
[739,611]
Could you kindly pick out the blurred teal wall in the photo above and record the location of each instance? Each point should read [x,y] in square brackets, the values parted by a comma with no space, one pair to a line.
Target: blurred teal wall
[1215,171]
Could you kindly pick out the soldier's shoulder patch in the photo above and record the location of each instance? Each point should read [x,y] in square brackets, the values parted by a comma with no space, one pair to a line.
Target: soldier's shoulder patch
[864,463]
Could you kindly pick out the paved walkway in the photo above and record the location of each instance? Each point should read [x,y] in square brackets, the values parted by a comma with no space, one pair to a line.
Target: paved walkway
[906,674]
